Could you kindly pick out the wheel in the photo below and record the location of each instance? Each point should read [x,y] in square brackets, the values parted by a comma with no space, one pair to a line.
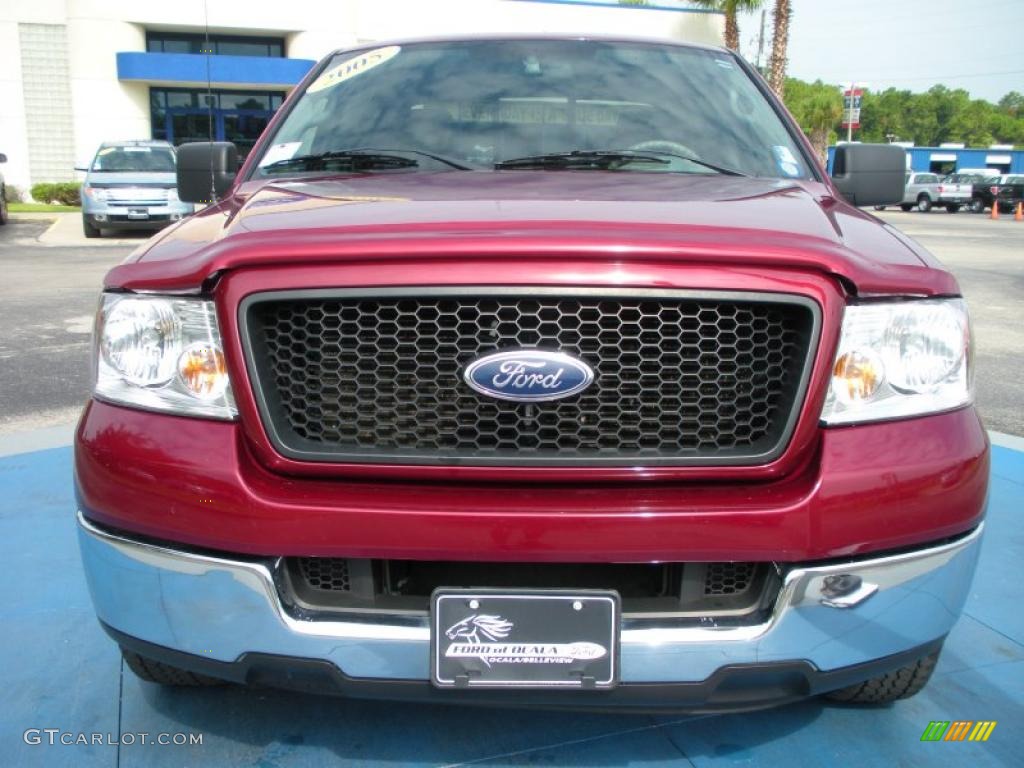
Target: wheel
[89,229]
[164,674]
[924,203]
[976,206]
[906,207]
[898,684]
[879,207]
[952,207]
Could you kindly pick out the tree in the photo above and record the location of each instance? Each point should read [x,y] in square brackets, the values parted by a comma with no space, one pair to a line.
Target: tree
[780,42]
[731,8]
[927,119]
[1013,104]
[818,108]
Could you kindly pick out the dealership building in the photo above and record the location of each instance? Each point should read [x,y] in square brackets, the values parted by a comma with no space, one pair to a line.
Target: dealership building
[74,73]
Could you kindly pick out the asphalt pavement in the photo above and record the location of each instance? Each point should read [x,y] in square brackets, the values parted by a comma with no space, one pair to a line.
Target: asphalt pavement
[48,298]
[987,258]
[51,281]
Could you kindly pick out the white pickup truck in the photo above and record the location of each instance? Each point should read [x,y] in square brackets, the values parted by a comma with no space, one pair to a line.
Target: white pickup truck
[925,190]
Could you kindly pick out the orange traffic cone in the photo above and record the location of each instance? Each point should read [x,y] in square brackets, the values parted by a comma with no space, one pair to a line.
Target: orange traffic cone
[995,210]
[1018,215]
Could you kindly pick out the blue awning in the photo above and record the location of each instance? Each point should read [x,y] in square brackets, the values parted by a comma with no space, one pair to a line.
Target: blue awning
[191,68]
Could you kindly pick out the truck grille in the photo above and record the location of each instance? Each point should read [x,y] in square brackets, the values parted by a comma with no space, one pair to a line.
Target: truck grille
[679,377]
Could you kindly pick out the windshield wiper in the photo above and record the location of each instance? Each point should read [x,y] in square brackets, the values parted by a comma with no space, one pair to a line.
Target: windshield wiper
[602,159]
[605,159]
[703,163]
[360,159]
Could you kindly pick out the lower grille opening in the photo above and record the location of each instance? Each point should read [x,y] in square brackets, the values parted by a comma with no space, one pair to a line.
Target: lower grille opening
[719,589]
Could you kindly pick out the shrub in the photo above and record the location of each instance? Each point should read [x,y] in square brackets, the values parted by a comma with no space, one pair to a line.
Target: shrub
[12,194]
[42,192]
[69,193]
[61,193]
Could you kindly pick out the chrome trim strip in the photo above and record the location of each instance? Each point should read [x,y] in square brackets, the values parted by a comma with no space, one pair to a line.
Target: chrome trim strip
[222,608]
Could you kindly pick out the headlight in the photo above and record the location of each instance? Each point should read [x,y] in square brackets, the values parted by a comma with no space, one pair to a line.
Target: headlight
[99,195]
[901,359]
[163,354]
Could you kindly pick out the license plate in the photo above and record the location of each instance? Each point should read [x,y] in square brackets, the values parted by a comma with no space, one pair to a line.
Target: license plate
[524,639]
[138,213]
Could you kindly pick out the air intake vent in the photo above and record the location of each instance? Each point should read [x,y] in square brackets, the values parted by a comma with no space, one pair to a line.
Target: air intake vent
[325,573]
[728,578]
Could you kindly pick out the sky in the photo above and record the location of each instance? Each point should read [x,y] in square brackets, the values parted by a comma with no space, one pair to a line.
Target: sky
[907,44]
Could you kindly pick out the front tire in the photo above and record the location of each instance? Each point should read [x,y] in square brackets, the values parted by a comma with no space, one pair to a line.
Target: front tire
[924,204]
[164,674]
[899,684]
[89,230]
[977,206]
[879,207]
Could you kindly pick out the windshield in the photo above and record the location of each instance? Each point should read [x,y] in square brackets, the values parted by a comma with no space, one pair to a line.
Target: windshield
[135,159]
[476,104]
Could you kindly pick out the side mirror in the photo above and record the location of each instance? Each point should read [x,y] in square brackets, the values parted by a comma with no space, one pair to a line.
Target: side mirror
[205,167]
[3,157]
[870,174]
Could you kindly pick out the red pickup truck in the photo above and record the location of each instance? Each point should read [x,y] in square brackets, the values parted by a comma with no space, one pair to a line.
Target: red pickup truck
[534,371]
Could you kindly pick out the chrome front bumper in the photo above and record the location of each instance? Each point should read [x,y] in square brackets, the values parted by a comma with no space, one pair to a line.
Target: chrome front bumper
[829,616]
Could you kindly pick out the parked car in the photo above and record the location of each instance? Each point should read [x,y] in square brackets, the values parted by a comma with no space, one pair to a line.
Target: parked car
[3,194]
[1008,189]
[564,375]
[131,185]
[924,190]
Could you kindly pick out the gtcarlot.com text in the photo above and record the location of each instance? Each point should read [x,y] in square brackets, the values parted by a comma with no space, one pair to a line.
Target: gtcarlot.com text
[55,736]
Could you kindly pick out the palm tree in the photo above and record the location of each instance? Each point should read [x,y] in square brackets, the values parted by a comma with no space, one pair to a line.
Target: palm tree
[731,8]
[780,41]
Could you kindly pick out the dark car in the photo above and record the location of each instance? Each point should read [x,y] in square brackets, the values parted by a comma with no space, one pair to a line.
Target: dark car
[534,372]
[1007,189]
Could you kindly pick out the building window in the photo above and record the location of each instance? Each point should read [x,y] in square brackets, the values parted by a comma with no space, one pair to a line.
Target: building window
[179,115]
[221,45]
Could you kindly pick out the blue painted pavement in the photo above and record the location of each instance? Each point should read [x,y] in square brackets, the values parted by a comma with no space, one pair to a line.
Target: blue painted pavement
[60,671]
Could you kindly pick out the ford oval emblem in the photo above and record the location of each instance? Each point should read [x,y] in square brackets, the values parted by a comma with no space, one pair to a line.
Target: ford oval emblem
[528,375]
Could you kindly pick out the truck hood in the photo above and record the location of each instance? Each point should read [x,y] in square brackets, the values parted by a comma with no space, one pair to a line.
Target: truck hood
[625,215]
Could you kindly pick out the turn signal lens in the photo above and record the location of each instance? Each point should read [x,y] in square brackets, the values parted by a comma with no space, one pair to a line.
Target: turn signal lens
[202,371]
[856,377]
